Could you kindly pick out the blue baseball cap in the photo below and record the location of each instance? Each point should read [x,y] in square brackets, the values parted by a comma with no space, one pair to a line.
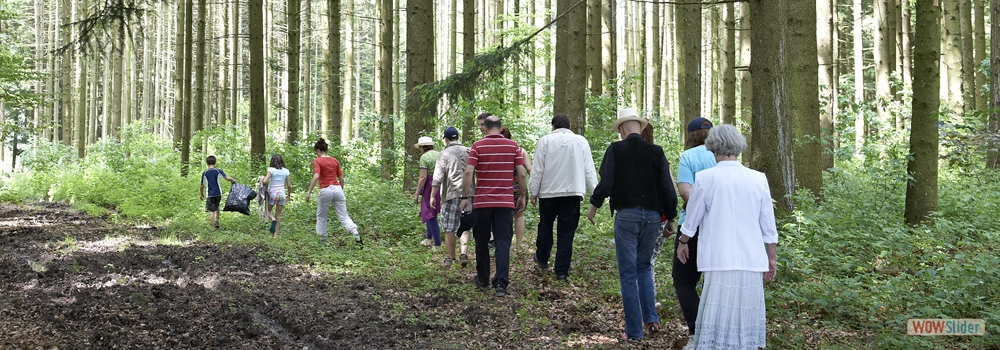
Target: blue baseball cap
[697,124]
[450,133]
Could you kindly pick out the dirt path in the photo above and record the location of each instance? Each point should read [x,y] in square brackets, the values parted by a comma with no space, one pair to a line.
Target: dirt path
[122,287]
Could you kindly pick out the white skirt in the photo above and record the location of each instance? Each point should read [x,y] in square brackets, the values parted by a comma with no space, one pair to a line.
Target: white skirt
[731,313]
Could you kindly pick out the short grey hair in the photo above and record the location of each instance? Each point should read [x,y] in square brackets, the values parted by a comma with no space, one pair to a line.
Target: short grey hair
[725,140]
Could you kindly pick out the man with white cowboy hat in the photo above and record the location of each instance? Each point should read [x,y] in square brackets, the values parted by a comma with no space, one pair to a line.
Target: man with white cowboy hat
[428,213]
[634,174]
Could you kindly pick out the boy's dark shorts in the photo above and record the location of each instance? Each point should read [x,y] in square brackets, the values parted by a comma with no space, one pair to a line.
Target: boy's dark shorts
[212,204]
[467,222]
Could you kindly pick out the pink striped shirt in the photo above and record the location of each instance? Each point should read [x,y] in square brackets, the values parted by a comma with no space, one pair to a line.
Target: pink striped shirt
[494,158]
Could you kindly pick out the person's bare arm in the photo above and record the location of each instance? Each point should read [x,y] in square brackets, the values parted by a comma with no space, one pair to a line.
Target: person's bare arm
[312,184]
[466,182]
[421,181]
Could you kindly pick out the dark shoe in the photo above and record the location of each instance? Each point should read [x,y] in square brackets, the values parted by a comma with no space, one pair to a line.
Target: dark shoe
[447,262]
[501,291]
[541,265]
[322,240]
[479,285]
[561,278]
[464,260]
[361,242]
[274,225]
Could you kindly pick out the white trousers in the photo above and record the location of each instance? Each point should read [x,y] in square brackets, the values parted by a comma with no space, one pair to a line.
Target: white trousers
[334,194]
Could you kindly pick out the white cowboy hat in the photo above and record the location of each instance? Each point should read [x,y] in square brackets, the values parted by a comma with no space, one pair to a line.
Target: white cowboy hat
[424,141]
[628,114]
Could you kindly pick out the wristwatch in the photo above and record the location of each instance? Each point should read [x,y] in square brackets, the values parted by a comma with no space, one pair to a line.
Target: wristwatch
[679,241]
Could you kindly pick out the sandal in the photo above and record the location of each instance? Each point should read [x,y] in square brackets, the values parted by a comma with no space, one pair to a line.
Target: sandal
[652,328]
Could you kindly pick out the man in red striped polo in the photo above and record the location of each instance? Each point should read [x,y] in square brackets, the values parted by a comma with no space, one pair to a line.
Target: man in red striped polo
[493,159]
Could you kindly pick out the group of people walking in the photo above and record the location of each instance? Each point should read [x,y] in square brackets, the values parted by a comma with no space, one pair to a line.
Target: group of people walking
[728,209]
[726,227]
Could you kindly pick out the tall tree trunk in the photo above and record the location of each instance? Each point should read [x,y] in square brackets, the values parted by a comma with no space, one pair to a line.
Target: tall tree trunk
[235,85]
[258,106]
[571,72]
[729,65]
[199,95]
[594,46]
[186,121]
[82,96]
[118,82]
[609,54]
[178,76]
[108,82]
[387,130]
[773,117]
[420,106]
[982,100]
[922,189]
[307,77]
[333,76]
[951,68]
[294,45]
[712,64]
[222,92]
[689,62]
[96,72]
[825,28]
[468,53]
[51,133]
[906,47]
[656,60]
[968,57]
[885,51]
[66,77]
[803,77]
[348,105]
[38,111]
[993,151]
[746,80]
[859,80]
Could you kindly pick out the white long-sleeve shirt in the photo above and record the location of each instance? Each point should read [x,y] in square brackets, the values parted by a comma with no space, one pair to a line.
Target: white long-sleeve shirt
[732,206]
[562,166]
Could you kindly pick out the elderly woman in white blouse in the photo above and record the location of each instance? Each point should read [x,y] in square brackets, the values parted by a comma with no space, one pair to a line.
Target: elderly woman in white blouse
[736,249]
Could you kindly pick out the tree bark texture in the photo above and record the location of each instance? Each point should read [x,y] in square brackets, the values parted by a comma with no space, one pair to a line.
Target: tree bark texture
[198,122]
[609,53]
[574,68]
[993,124]
[825,29]
[906,46]
[968,55]
[979,29]
[773,121]
[729,64]
[258,106]
[178,76]
[885,53]
[859,79]
[594,47]
[347,119]
[387,126]
[951,68]
[922,189]
[803,79]
[235,99]
[689,62]
[294,46]
[746,80]
[468,53]
[333,76]
[420,105]
[66,76]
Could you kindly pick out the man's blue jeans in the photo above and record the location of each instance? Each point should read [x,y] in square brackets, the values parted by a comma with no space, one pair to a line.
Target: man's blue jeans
[635,234]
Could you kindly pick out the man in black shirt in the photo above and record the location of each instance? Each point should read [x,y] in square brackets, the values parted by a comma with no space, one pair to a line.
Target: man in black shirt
[634,174]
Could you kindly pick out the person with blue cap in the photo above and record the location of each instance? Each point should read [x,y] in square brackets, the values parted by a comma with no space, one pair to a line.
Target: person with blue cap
[448,172]
[695,158]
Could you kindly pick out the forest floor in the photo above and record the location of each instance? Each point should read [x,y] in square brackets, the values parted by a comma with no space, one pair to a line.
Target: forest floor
[72,281]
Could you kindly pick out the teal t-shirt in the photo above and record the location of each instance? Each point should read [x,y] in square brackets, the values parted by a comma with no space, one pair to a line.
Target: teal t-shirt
[692,161]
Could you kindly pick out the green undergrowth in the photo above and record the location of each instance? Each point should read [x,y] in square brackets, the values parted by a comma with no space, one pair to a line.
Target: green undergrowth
[850,272]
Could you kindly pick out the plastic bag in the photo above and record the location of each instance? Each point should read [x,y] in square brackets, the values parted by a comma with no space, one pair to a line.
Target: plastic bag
[239,199]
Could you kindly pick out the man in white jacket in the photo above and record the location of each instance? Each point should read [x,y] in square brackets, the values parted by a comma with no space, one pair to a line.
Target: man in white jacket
[563,173]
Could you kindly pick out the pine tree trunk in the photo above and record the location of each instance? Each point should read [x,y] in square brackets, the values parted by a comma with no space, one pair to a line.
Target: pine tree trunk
[951,60]
[922,189]
[885,51]
[420,107]
[906,47]
[81,108]
[729,65]
[803,80]
[178,76]
[688,63]
[235,85]
[594,68]
[294,45]
[993,125]
[968,58]
[746,81]
[307,77]
[468,53]
[982,100]
[348,99]
[559,81]
[96,77]
[609,55]
[51,132]
[827,61]
[859,80]
[198,122]
[571,58]
[387,131]
[66,77]
[656,61]
[773,118]
[333,76]
[188,86]
[118,82]
[38,111]
[258,106]
[712,61]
